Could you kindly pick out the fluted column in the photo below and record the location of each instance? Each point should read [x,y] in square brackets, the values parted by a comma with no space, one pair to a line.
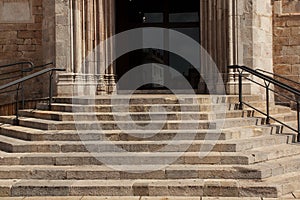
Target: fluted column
[91,23]
[107,30]
[77,33]
[214,15]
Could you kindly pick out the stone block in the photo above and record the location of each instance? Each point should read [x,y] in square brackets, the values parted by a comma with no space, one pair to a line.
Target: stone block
[12,27]
[294,23]
[10,48]
[26,34]
[38,18]
[296,69]
[27,47]
[37,2]
[294,40]
[282,32]
[36,26]
[8,34]
[295,31]
[283,69]
[280,22]
[37,10]
[287,59]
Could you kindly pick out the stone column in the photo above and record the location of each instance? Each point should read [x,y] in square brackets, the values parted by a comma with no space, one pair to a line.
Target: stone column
[251,40]
[91,21]
[107,28]
[214,39]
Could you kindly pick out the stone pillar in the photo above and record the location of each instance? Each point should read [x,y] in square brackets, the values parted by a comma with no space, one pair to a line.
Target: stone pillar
[251,40]
[90,22]
[107,81]
[214,39]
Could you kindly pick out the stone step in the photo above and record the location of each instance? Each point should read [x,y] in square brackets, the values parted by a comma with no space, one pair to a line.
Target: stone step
[262,154]
[121,116]
[154,99]
[31,134]
[189,187]
[283,117]
[139,107]
[287,182]
[256,171]
[91,172]
[125,125]
[13,145]
[141,159]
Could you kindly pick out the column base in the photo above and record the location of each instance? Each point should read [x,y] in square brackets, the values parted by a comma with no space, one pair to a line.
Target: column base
[72,84]
[232,88]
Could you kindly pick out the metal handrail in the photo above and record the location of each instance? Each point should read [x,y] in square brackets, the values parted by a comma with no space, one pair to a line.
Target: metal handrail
[26,78]
[17,63]
[267,81]
[14,74]
[277,75]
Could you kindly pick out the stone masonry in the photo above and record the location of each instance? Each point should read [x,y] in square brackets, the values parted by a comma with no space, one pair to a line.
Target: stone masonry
[286,40]
[27,34]
[21,41]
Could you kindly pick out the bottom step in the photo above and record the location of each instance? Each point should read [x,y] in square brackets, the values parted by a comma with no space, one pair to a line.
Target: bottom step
[191,187]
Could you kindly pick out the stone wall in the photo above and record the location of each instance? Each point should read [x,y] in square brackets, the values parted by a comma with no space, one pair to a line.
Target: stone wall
[26,35]
[286,38]
[251,41]
[21,39]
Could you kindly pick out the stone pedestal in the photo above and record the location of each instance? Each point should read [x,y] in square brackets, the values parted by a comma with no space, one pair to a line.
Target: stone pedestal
[71,84]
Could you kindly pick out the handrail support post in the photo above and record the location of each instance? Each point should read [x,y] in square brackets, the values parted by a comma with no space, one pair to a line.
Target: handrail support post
[50,91]
[22,89]
[16,120]
[240,90]
[268,102]
[298,119]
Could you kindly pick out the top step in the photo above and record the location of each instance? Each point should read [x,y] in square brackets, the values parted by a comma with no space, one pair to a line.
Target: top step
[153,99]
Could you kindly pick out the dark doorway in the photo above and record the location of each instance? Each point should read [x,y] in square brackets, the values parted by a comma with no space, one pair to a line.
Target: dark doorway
[182,16]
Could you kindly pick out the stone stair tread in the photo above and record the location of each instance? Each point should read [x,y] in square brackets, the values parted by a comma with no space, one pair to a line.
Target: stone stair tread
[92,108]
[148,121]
[81,124]
[147,158]
[281,162]
[34,134]
[15,141]
[287,182]
[130,187]
[58,115]
[276,151]
[140,104]
[121,113]
[116,154]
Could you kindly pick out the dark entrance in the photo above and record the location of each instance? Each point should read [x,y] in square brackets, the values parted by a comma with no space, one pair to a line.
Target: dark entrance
[182,16]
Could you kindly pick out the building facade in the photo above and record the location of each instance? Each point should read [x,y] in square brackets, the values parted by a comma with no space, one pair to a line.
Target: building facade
[257,33]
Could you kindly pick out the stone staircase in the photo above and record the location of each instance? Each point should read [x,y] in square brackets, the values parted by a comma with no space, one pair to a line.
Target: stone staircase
[157,145]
